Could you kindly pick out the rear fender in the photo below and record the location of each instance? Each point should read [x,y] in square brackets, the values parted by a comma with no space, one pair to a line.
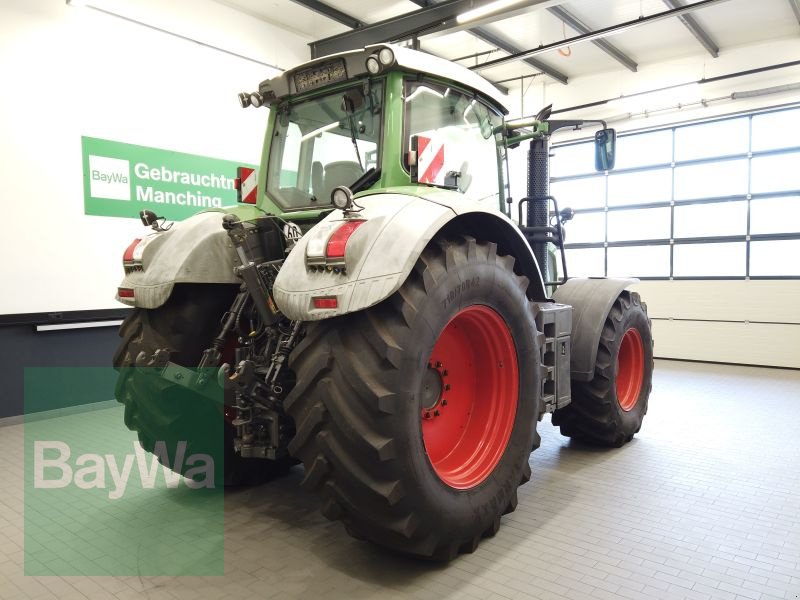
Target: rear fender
[196,250]
[591,299]
[381,253]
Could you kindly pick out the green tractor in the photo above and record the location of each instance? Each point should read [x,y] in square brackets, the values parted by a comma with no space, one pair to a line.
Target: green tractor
[372,309]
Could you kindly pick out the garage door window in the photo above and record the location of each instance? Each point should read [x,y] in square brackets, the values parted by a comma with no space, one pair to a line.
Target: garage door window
[717,199]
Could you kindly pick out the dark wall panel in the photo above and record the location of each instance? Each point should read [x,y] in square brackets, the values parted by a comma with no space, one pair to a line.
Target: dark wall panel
[22,346]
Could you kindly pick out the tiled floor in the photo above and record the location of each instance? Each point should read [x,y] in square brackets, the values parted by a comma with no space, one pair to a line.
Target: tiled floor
[704,503]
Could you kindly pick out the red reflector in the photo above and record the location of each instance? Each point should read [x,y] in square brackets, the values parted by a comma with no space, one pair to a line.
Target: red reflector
[125,292]
[338,241]
[326,302]
[237,184]
[128,254]
[246,187]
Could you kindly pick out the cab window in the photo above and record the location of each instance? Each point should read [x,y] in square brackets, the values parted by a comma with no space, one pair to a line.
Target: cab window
[324,142]
[456,144]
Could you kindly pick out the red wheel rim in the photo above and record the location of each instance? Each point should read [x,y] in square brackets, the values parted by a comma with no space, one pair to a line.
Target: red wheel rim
[630,369]
[470,395]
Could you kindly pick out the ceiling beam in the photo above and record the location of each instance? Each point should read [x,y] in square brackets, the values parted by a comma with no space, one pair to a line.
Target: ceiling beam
[606,46]
[795,4]
[487,36]
[349,21]
[696,29]
[596,35]
[332,13]
[491,39]
[435,18]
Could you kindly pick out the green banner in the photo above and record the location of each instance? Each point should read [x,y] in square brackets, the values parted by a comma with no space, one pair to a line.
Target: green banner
[121,179]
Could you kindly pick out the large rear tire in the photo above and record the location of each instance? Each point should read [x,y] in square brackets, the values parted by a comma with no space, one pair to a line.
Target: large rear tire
[158,410]
[609,409]
[416,418]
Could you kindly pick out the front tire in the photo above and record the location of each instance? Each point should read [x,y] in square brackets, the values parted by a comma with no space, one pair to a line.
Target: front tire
[609,410]
[416,418]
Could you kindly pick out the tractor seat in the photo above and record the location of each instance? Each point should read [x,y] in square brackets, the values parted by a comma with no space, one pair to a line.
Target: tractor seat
[342,172]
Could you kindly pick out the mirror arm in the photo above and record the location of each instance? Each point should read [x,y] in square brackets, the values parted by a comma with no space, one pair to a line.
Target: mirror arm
[518,124]
[521,138]
[577,124]
[551,127]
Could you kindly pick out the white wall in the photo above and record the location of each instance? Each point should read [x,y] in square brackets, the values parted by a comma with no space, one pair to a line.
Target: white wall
[70,71]
[742,322]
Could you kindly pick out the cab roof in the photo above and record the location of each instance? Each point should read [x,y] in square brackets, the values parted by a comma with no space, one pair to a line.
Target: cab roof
[405,59]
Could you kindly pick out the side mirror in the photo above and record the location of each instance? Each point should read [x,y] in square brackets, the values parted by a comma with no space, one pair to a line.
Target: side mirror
[605,149]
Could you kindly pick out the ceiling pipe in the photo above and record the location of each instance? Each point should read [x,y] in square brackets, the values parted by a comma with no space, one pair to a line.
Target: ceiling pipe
[598,34]
[768,91]
[702,81]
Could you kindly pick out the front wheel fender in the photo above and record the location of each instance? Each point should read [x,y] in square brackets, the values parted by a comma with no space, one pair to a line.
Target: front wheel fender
[591,299]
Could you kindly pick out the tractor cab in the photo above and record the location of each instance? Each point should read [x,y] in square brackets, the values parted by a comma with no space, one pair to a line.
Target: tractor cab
[381,117]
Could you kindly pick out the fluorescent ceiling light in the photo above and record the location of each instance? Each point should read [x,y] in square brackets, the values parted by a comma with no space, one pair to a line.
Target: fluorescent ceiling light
[470,107]
[320,130]
[426,90]
[486,10]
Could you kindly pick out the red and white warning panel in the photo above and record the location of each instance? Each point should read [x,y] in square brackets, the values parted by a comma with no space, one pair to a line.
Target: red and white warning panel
[246,188]
[430,159]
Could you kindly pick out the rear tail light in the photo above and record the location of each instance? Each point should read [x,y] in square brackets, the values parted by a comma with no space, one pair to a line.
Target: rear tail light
[326,302]
[125,292]
[132,257]
[326,247]
[337,243]
[128,255]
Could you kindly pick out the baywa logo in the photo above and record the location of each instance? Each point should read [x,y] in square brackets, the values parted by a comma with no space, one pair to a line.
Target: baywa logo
[109,178]
[91,471]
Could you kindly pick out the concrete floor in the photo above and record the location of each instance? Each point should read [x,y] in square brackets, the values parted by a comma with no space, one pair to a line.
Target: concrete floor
[704,503]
